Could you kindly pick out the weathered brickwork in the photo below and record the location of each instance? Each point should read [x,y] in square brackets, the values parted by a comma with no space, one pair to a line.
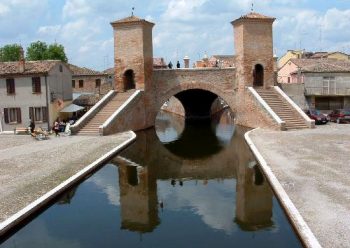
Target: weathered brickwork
[133,50]
[170,82]
[253,45]
[89,83]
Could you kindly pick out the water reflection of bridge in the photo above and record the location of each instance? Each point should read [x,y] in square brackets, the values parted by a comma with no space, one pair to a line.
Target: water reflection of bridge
[152,161]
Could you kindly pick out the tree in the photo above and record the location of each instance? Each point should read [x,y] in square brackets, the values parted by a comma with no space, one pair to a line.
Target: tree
[10,52]
[37,51]
[56,51]
[40,51]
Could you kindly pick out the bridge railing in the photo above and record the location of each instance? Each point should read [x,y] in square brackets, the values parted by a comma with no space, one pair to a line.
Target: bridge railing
[92,112]
[310,123]
[107,126]
[281,123]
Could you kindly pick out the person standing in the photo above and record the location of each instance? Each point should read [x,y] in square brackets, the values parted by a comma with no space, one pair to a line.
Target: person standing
[56,127]
[178,64]
[170,65]
[32,126]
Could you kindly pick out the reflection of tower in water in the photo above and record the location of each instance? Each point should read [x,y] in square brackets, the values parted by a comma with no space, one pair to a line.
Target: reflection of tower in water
[254,199]
[138,198]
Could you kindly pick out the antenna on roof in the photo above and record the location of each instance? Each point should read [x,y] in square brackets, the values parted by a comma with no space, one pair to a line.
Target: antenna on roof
[132,12]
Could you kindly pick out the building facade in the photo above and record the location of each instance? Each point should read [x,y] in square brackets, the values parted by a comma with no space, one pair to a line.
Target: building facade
[325,83]
[85,80]
[33,90]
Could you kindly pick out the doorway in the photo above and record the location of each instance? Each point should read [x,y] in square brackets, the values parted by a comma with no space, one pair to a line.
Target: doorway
[258,75]
[129,80]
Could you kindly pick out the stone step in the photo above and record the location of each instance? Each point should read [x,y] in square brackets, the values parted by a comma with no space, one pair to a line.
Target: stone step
[282,109]
[113,105]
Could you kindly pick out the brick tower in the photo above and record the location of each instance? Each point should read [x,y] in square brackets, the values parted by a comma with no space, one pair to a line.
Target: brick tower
[133,53]
[254,50]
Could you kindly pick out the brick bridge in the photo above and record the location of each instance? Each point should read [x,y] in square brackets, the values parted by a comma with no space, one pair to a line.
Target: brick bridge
[248,88]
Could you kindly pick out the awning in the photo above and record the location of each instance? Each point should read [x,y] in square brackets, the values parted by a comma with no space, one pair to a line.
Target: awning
[71,108]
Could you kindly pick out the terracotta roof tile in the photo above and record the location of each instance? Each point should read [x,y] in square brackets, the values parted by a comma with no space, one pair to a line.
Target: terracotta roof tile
[322,65]
[253,16]
[159,62]
[83,71]
[130,19]
[31,67]
[109,71]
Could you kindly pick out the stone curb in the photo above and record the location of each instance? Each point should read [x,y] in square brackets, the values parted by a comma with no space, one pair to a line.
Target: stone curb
[305,234]
[15,219]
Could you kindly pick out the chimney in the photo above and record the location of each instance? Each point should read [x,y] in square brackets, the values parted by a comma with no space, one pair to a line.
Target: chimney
[21,63]
[187,62]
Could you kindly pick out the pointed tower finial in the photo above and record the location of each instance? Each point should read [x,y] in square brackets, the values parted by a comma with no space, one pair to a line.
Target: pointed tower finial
[252,9]
[132,12]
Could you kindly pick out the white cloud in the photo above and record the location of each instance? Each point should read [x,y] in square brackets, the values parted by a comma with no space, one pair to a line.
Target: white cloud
[49,30]
[182,27]
[4,9]
[182,9]
[76,8]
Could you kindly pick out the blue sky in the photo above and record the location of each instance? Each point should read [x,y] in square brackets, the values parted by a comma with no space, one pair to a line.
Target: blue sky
[183,27]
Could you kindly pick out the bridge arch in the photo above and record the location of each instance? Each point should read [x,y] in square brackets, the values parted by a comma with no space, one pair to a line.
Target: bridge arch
[183,87]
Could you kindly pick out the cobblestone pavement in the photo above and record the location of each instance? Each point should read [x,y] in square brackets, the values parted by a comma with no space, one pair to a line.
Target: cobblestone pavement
[30,168]
[313,167]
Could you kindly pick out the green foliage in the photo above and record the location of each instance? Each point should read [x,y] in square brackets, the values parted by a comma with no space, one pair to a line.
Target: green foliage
[56,51]
[40,51]
[10,52]
[37,51]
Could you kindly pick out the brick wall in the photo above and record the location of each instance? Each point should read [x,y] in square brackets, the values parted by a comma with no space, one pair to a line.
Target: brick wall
[170,82]
[133,51]
[89,84]
[254,45]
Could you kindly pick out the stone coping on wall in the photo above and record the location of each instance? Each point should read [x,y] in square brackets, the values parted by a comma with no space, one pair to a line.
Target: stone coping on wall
[42,201]
[302,229]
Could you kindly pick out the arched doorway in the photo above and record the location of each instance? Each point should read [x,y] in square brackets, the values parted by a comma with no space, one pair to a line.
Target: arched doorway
[129,80]
[258,75]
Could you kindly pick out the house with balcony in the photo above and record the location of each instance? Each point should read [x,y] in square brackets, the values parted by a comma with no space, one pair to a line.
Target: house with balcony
[323,83]
[33,90]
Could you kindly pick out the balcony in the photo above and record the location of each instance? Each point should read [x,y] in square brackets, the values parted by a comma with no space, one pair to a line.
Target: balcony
[325,91]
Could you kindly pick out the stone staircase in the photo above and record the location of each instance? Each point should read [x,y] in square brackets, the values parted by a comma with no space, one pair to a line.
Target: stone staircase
[282,108]
[92,126]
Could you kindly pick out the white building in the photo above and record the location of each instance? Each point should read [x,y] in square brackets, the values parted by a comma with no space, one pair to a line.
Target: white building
[35,90]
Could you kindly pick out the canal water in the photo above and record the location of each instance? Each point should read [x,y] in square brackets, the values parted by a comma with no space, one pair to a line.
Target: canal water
[178,185]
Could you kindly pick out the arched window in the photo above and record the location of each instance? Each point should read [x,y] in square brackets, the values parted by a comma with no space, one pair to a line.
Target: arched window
[258,76]
[129,80]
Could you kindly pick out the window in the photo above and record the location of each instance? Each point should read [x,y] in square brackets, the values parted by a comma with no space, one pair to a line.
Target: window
[38,114]
[81,83]
[73,83]
[36,85]
[97,83]
[61,68]
[329,86]
[12,115]
[288,79]
[10,85]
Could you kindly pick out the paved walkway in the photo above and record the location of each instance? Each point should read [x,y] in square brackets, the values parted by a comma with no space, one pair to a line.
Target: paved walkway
[313,167]
[30,168]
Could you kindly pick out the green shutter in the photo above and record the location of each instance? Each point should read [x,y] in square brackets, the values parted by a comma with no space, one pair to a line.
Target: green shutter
[6,115]
[19,117]
[44,112]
